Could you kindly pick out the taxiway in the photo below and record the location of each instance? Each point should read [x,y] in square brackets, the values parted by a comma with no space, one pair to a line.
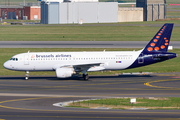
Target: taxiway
[79,44]
[34,98]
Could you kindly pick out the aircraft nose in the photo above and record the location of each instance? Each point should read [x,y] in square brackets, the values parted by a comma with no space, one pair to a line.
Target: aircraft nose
[6,65]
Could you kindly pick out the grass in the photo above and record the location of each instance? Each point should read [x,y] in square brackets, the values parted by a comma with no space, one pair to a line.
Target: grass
[173,14]
[88,32]
[166,66]
[77,106]
[151,103]
[172,1]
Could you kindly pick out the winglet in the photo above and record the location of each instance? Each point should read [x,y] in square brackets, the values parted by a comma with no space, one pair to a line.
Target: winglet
[160,41]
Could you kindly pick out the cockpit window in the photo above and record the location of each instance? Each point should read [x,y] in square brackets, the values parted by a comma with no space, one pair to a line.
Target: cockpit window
[14,59]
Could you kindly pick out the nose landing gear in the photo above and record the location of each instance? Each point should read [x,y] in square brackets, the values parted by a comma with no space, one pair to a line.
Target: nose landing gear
[27,75]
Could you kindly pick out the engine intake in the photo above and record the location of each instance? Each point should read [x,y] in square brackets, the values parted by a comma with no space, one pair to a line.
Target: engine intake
[64,72]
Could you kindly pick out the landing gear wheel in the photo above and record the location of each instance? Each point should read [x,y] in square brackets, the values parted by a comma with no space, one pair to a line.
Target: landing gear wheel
[86,77]
[26,78]
[27,75]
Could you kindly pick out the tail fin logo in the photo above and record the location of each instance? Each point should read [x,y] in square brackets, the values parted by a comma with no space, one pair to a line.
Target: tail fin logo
[33,56]
[161,40]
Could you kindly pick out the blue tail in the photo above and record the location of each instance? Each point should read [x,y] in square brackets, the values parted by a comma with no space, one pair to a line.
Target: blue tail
[156,49]
[160,41]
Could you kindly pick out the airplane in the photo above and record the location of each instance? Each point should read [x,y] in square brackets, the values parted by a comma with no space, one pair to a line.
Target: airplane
[67,64]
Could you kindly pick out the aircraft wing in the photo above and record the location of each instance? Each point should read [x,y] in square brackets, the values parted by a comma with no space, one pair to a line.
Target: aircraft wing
[88,67]
[94,66]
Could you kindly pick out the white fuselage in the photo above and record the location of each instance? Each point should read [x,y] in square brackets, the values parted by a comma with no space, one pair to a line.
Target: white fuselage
[48,61]
[67,64]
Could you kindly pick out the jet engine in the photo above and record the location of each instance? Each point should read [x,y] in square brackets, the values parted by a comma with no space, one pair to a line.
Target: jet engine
[64,72]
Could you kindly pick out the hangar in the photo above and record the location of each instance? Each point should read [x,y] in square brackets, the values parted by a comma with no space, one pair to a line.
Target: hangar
[153,9]
[92,11]
[62,12]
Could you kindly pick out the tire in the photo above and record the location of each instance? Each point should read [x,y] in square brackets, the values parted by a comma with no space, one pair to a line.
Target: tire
[26,78]
[86,77]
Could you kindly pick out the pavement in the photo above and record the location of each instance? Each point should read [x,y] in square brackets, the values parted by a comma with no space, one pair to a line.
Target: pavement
[79,44]
[34,98]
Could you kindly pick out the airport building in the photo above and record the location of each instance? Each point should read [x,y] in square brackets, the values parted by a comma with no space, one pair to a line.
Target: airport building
[78,11]
[92,11]
[152,9]
[86,11]
[20,12]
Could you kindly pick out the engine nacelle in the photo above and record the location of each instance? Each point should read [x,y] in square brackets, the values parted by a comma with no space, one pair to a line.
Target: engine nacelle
[64,72]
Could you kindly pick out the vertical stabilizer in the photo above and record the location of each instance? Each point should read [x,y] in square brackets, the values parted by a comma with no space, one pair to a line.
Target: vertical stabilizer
[160,41]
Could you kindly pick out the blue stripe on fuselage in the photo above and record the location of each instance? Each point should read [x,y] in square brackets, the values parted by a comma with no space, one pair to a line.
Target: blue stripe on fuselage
[148,59]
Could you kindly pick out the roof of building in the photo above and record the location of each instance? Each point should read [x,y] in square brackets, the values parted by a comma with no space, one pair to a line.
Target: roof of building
[10,6]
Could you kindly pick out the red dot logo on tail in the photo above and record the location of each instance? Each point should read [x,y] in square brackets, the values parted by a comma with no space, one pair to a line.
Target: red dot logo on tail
[155,40]
[162,46]
[152,44]
[149,48]
[157,36]
[156,48]
[166,44]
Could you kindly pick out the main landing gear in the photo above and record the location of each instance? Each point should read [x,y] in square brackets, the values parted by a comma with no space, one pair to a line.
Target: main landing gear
[27,75]
[85,76]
